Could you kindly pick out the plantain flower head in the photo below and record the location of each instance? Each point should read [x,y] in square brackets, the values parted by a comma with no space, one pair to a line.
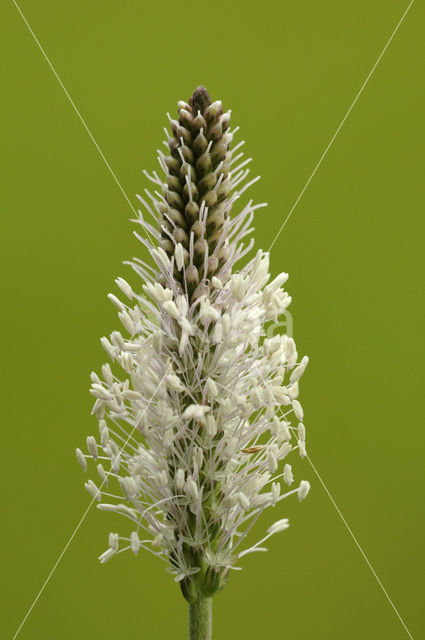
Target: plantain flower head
[199,407]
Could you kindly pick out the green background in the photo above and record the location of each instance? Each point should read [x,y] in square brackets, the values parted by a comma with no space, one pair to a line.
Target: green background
[354,251]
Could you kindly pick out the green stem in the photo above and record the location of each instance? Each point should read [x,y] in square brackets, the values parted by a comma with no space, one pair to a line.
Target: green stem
[200,619]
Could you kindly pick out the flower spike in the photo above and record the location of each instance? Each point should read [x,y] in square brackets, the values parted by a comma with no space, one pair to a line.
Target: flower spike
[195,414]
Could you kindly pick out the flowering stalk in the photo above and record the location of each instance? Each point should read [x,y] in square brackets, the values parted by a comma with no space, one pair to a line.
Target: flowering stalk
[200,619]
[197,411]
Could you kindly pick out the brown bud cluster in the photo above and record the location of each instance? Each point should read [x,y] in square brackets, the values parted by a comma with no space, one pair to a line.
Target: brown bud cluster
[197,190]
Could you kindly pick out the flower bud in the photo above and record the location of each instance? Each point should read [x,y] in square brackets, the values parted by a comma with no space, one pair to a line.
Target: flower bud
[211,582]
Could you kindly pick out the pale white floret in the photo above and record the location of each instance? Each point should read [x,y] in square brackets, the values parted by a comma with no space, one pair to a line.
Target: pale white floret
[198,457]
[179,256]
[93,490]
[127,321]
[162,257]
[112,353]
[100,392]
[210,425]
[288,476]
[116,302]
[125,287]
[238,287]
[180,479]
[103,506]
[81,459]
[104,436]
[113,541]
[301,432]
[117,340]
[212,389]
[174,382]
[225,324]
[218,333]
[298,371]
[303,490]
[107,373]
[107,555]
[92,447]
[196,411]
[157,292]
[298,410]
[132,346]
[207,312]
[284,449]
[271,462]
[134,542]
[183,307]
[171,308]
[242,500]
[279,525]
[216,282]
[191,489]
[102,474]
[275,491]
[302,449]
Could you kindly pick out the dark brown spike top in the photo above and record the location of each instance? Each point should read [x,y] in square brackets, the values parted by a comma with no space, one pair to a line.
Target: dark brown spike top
[200,100]
[197,190]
